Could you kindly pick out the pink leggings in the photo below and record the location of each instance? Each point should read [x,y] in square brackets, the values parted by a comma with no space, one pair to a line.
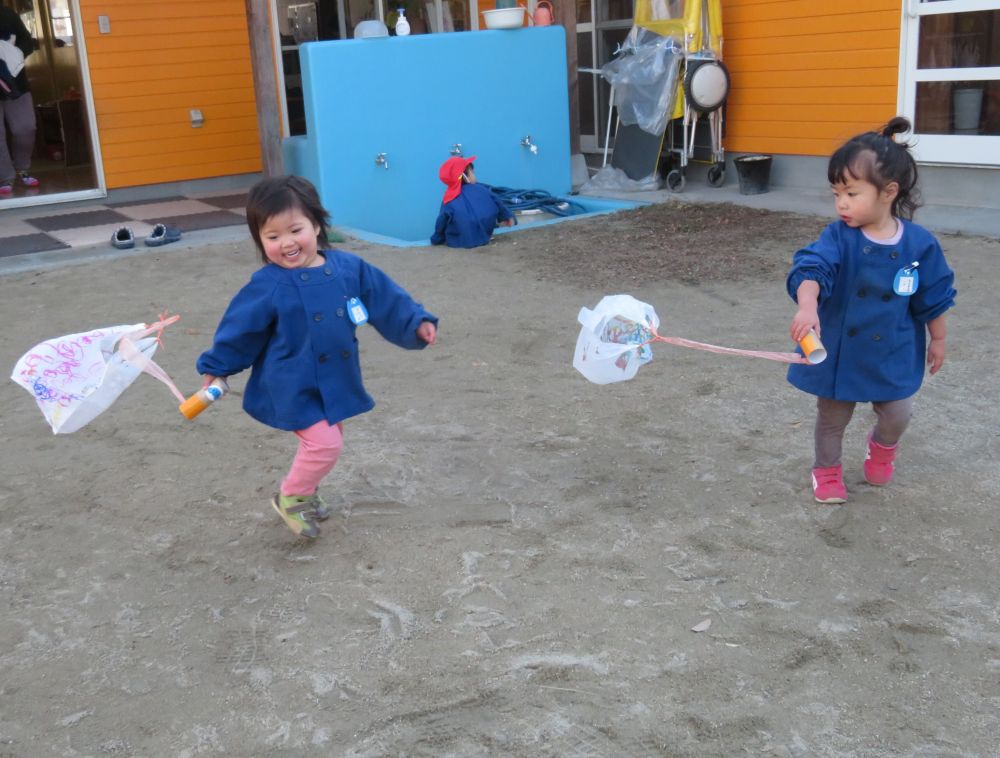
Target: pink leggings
[319,449]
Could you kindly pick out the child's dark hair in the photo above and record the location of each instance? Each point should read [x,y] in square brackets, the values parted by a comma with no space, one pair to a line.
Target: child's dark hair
[877,158]
[278,194]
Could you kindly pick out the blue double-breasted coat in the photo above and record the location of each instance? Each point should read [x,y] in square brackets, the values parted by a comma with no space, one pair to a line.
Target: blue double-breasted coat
[469,219]
[292,328]
[875,339]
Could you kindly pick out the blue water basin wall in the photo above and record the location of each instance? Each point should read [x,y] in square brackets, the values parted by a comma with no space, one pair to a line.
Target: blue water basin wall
[414,99]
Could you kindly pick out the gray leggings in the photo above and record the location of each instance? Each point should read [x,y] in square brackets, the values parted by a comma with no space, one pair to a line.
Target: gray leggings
[832,417]
[18,118]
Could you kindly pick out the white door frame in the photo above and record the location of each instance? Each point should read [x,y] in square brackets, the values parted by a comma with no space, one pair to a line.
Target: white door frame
[949,149]
[88,98]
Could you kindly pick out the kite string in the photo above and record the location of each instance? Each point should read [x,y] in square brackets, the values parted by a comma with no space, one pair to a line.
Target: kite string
[765,354]
[131,352]
[165,321]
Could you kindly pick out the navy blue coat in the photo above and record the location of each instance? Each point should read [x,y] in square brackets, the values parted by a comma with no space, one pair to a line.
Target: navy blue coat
[291,326]
[875,339]
[469,219]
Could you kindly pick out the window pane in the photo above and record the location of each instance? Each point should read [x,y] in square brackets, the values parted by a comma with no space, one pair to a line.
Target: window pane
[583,15]
[293,92]
[959,40]
[459,16]
[616,10]
[62,23]
[608,40]
[958,108]
[663,10]
[356,11]
[585,59]
[454,16]
[303,22]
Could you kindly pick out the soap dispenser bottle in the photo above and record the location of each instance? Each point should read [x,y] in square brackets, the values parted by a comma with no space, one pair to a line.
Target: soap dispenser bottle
[402,25]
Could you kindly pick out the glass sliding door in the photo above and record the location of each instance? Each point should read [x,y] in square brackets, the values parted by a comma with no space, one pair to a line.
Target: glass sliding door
[951,82]
[64,157]
[600,29]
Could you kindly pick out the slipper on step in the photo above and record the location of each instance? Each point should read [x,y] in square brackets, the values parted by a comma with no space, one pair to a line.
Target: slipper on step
[162,235]
[123,238]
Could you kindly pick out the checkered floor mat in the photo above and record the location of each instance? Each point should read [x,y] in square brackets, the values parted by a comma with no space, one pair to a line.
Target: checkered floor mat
[51,229]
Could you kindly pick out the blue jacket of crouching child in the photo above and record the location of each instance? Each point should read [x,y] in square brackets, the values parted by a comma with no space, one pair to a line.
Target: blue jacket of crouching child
[469,219]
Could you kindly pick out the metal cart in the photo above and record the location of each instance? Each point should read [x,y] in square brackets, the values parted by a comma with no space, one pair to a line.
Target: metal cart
[696,26]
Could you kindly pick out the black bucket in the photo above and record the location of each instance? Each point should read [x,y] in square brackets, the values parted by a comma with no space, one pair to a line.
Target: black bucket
[754,173]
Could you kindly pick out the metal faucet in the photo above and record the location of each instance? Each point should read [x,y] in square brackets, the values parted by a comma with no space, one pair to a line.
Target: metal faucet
[526,142]
[381,160]
[456,149]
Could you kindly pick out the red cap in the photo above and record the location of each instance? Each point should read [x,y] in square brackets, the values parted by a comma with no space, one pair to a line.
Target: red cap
[451,174]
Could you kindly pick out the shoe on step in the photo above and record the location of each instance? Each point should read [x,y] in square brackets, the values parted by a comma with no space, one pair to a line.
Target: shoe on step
[878,462]
[162,235]
[27,180]
[828,485]
[6,188]
[123,238]
[298,514]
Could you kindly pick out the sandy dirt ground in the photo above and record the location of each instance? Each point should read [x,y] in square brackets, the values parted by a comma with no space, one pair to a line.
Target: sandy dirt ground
[519,556]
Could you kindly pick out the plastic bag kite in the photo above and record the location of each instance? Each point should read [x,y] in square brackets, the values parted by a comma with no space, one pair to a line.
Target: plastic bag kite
[616,339]
[77,377]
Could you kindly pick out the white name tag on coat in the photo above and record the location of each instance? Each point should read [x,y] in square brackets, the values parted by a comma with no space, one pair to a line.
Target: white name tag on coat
[356,311]
[906,281]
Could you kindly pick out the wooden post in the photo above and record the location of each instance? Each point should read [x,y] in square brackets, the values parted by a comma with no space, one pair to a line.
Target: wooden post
[565,15]
[265,86]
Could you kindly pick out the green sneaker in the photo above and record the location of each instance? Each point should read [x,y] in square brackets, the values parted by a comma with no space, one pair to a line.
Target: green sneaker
[298,513]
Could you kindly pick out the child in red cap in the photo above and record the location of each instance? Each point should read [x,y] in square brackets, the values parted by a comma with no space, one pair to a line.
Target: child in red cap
[469,211]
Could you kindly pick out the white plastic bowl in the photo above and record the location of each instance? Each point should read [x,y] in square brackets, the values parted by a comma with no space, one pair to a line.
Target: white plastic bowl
[504,18]
[370,28]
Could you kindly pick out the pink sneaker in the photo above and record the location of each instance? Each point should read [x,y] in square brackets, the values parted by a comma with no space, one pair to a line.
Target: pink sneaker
[828,485]
[26,179]
[6,189]
[878,462]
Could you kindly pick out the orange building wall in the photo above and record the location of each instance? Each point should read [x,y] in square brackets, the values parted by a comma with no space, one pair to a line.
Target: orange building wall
[160,60]
[806,75]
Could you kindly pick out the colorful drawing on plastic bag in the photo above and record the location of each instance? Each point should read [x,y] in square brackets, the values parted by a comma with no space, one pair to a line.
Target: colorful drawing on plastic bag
[616,339]
[622,331]
[77,377]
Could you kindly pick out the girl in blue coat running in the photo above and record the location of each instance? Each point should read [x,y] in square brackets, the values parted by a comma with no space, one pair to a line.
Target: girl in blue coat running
[294,326]
[872,286]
